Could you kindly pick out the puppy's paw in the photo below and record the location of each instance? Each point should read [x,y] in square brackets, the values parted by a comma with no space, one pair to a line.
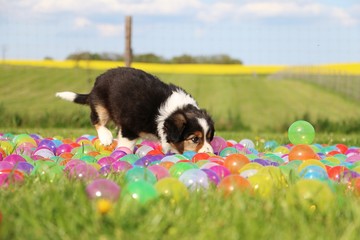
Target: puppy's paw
[105,136]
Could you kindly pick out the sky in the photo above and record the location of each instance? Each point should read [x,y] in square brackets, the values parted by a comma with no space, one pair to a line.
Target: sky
[286,32]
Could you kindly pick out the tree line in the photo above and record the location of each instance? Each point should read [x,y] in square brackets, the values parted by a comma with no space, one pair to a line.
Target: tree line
[153,58]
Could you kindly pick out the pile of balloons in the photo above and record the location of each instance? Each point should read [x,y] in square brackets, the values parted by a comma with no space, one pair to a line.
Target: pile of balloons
[303,169]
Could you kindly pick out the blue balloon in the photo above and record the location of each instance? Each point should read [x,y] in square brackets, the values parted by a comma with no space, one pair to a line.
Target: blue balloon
[314,172]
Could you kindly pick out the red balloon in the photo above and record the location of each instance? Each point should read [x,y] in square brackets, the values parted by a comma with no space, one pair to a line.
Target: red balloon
[337,173]
[200,156]
[342,148]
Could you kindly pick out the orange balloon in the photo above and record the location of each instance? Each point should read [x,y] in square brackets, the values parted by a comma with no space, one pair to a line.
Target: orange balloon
[233,183]
[234,162]
[302,152]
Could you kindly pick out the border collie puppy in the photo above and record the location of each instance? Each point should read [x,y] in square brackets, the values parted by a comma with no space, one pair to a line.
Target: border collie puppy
[142,106]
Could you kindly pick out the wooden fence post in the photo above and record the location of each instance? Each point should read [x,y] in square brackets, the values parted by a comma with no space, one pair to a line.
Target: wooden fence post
[128,50]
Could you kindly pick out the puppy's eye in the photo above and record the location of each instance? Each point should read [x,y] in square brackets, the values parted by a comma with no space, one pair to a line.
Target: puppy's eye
[195,139]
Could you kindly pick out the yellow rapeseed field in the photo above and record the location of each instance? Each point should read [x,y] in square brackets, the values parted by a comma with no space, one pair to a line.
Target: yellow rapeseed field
[213,69]
[154,67]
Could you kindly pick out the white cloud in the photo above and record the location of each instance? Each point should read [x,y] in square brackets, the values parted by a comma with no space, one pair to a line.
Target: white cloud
[261,9]
[110,30]
[81,22]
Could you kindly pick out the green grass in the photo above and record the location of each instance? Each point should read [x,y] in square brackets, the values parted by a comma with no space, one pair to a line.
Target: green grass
[60,209]
[236,102]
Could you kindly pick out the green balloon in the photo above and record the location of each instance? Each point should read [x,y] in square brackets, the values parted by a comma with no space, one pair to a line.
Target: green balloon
[178,168]
[139,191]
[301,132]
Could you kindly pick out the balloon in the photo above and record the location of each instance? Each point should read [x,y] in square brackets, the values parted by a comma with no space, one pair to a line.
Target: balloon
[195,179]
[301,132]
[228,151]
[139,173]
[84,172]
[312,195]
[234,183]
[138,191]
[247,143]
[302,152]
[159,171]
[143,150]
[218,144]
[235,162]
[314,172]
[172,189]
[178,168]
[10,177]
[212,176]
[103,188]
[221,171]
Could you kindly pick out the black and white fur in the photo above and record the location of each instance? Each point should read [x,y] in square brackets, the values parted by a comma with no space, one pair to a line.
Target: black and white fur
[142,106]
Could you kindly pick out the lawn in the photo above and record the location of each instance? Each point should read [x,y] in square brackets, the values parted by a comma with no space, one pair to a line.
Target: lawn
[236,102]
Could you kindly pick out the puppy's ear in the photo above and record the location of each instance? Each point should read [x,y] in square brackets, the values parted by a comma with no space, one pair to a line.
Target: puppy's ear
[174,126]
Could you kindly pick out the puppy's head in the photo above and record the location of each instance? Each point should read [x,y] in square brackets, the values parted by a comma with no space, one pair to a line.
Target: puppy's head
[189,129]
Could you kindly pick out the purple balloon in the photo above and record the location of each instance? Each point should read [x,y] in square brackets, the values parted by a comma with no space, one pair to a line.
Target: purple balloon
[147,160]
[24,167]
[218,144]
[212,176]
[106,161]
[117,154]
[103,188]
[263,162]
[63,148]
[48,143]
[105,170]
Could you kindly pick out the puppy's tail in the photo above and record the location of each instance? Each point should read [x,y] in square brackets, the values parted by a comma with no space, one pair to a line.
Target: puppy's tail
[74,97]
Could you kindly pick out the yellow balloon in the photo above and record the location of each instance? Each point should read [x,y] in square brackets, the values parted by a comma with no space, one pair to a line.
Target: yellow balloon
[268,180]
[172,189]
[250,169]
[313,195]
[281,150]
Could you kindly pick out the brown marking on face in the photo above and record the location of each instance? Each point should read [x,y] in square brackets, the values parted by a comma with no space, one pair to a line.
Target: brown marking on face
[194,142]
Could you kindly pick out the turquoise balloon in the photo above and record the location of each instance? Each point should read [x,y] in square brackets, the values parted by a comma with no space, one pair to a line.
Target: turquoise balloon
[139,173]
[301,132]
